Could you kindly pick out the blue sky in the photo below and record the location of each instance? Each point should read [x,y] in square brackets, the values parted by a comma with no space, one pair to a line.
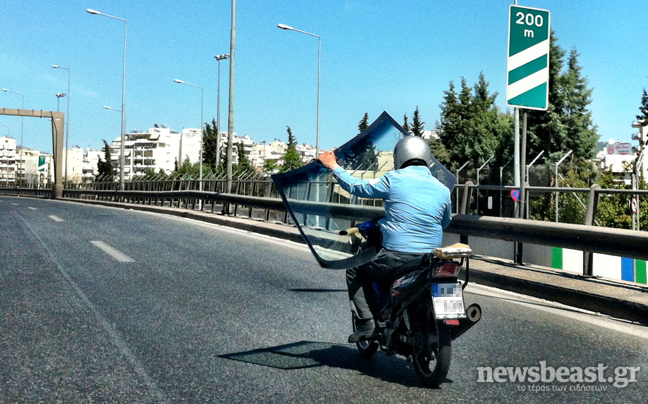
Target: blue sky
[377,55]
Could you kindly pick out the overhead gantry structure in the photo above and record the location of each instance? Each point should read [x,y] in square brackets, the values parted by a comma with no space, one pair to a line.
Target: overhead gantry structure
[57,119]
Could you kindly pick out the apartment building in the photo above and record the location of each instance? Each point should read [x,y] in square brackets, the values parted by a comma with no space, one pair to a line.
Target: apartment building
[8,164]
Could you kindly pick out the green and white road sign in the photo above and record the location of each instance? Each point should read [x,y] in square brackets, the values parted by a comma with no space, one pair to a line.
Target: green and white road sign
[528,58]
[41,163]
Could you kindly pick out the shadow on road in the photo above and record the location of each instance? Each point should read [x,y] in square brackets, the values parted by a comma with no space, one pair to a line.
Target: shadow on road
[303,290]
[310,354]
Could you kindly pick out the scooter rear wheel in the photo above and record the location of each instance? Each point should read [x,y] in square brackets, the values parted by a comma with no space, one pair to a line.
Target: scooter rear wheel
[433,363]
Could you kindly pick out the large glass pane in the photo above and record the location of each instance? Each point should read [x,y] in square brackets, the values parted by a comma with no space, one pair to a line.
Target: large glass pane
[321,209]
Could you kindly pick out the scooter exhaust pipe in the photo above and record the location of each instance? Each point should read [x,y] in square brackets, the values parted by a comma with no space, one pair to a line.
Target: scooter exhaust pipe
[473,315]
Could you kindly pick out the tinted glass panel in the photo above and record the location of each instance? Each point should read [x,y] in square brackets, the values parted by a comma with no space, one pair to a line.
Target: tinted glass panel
[320,208]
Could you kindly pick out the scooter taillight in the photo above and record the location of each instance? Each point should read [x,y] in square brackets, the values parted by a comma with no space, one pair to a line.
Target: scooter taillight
[446,270]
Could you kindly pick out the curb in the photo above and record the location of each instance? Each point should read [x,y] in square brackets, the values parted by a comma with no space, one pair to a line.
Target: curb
[605,305]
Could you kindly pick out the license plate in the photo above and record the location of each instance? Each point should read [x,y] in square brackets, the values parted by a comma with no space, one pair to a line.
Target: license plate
[447,299]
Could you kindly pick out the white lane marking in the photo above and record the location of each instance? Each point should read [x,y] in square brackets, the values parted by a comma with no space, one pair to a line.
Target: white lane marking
[32,208]
[113,252]
[56,218]
[14,204]
[559,309]
[116,338]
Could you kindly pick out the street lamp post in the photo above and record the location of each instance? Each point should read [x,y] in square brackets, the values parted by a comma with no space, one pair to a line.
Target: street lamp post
[111,108]
[202,93]
[22,106]
[319,71]
[58,100]
[123,107]
[218,121]
[67,121]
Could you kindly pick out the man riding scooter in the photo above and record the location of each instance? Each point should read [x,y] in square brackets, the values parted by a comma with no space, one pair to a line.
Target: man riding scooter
[418,209]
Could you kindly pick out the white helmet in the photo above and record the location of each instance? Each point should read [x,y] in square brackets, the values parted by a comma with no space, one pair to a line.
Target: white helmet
[411,148]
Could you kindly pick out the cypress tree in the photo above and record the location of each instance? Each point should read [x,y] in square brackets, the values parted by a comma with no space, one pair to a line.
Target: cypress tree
[105,168]
[364,123]
[291,159]
[417,124]
[546,129]
[581,132]
[447,129]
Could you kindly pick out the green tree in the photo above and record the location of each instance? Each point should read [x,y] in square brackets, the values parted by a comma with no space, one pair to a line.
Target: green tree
[566,125]
[243,161]
[364,123]
[546,129]
[270,166]
[209,145]
[567,122]
[447,129]
[417,124]
[642,118]
[105,168]
[440,152]
[192,170]
[582,134]
[187,168]
[471,128]
[291,159]
[406,124]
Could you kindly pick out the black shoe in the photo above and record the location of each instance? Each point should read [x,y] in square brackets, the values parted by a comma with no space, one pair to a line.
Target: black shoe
[364,330]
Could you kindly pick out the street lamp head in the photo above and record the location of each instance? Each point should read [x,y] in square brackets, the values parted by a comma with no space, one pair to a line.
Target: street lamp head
[178,81]
[5,90]
[59,95]
[222,57]
[91,11]
[286,27]
[55,66]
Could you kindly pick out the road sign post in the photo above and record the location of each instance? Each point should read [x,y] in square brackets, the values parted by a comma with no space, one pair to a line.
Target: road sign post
[527,86]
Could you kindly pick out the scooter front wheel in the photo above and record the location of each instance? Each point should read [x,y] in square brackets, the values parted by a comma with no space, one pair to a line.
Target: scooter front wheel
[366,348]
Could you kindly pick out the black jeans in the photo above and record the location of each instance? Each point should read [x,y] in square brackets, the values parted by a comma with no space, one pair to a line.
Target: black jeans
[386,266]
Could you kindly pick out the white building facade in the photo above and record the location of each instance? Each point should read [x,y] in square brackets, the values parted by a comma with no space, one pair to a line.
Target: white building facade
[8,162]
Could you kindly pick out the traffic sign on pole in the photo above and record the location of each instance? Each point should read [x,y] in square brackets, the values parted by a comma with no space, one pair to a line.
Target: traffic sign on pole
[528,58]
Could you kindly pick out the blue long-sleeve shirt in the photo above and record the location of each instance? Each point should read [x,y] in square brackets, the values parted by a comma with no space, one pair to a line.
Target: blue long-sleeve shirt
[417,206]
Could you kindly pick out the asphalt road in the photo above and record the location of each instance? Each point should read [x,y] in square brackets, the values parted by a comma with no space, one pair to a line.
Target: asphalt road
[110,305]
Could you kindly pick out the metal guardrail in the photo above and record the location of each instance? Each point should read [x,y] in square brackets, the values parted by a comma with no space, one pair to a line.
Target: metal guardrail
[585,237]
[40,192]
